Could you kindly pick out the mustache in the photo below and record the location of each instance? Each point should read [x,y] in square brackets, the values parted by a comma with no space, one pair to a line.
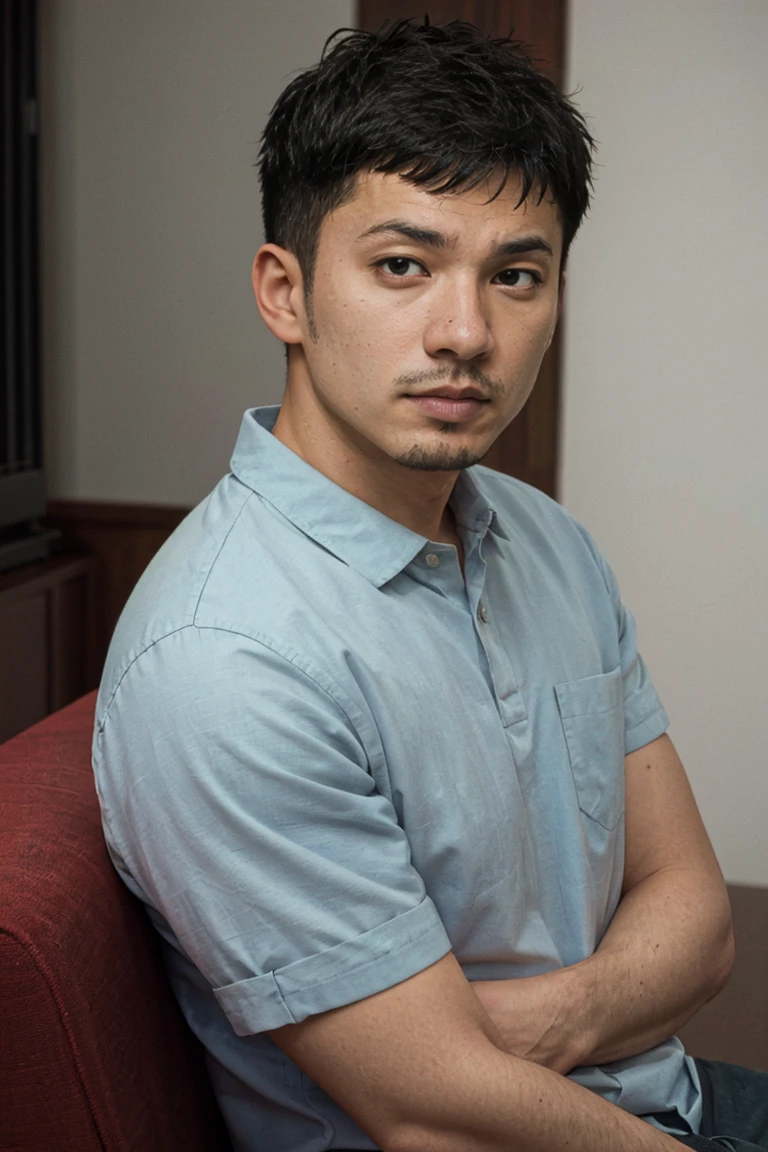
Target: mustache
[455,375]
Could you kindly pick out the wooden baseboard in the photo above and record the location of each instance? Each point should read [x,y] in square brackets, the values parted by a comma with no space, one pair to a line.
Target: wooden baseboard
[122,539]
[137,517]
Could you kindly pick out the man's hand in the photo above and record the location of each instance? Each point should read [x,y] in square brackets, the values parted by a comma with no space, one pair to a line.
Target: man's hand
[668,949]
[541,1018]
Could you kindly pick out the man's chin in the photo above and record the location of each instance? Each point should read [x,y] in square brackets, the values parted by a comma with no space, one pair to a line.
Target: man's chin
[443,458]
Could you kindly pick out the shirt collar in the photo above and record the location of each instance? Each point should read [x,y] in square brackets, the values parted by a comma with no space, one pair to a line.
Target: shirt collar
[361,536]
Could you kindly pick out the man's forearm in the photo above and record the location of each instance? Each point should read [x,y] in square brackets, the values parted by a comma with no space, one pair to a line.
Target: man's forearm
[668,950]
[421,1068]
[499,1105]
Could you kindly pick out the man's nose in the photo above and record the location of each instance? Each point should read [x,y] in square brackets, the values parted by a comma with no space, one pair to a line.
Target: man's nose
[458,326]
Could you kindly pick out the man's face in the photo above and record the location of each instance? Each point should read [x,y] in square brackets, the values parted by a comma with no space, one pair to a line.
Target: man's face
[430,317]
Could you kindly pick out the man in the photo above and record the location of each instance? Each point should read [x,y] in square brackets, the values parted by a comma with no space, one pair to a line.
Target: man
[374,741]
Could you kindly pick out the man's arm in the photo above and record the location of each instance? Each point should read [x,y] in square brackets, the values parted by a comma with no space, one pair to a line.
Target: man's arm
[421,1068]
[668,950]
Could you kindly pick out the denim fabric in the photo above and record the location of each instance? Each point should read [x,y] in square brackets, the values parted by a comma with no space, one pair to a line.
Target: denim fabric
[735,1109]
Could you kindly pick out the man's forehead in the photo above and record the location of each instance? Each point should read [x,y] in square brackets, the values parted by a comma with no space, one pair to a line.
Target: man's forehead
[379,199]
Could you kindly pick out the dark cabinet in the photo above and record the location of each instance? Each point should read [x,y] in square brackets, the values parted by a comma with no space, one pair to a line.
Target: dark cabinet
[45,639]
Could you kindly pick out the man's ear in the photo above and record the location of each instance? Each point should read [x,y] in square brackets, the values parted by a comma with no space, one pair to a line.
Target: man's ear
[278,286]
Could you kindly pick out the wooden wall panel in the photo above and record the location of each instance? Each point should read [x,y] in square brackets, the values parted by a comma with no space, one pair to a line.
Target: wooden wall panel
[527,448]
[23,668]
[121,539]
[71,641]
[45,639]
[540,24]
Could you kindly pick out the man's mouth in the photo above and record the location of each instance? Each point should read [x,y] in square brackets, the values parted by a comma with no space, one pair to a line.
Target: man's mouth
[447,403]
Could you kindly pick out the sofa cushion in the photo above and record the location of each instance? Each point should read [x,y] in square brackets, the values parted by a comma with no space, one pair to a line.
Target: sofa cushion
[94,1054]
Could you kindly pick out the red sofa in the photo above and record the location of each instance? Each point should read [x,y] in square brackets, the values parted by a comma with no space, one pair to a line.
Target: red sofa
[94,1053]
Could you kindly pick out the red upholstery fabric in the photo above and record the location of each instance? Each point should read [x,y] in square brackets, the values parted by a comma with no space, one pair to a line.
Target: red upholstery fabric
[94,1053]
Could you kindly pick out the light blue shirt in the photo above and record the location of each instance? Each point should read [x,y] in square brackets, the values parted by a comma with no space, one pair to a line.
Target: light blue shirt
[325,760]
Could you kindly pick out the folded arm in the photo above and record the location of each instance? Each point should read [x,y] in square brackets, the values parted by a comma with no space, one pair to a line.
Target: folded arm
[668,950]
[422,1069]
[435,1064]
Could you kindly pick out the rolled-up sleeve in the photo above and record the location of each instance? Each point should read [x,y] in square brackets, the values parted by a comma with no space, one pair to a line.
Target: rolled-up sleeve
[237,799]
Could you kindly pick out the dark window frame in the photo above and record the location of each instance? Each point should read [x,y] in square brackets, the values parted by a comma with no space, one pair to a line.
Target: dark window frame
[22,490]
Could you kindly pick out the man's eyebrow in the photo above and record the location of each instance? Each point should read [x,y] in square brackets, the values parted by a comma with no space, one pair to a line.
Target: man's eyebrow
[432,239]
[425,236]
[521,245]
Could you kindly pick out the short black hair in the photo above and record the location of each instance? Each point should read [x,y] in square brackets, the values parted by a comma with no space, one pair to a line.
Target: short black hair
[445,107]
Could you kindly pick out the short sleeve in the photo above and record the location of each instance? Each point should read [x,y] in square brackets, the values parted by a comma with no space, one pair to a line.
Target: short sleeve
[644,715]
[237,800]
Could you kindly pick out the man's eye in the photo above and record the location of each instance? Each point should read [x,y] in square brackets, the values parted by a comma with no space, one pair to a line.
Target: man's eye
[518,278]
[402,266]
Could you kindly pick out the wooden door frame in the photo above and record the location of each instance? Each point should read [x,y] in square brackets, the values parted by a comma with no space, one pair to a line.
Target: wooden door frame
[529,447]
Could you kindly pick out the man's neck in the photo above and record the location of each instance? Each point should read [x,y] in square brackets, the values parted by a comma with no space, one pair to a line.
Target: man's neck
[417,499]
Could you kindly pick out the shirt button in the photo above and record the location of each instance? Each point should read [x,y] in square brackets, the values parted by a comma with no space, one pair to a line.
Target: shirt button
[432,560]
[482,612]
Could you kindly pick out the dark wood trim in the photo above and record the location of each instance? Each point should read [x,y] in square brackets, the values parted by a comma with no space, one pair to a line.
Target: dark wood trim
[45,638]
[109,512]
[36,577]
[20,422]
[529,447]
[121,539]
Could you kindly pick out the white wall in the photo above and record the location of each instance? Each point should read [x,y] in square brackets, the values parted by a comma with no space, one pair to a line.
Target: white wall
[666,374]
[153,344]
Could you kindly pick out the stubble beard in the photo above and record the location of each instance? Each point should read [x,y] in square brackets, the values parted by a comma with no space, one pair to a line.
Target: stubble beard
[442,458]
[446,457]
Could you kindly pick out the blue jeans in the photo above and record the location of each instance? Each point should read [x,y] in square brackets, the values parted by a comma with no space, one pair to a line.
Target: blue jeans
[735,1109]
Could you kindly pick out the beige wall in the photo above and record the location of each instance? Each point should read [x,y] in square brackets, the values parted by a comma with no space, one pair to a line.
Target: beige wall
[154,347]
[666,379]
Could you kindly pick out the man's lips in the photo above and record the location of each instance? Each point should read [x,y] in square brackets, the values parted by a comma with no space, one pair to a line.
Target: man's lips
[448,403]
[448,393]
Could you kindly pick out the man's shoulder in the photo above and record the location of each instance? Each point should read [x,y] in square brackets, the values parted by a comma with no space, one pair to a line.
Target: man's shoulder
[236,575]
[167,597]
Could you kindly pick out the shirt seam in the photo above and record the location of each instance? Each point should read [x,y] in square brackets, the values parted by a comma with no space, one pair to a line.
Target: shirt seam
[283,1001]
[101,725]
[372,961]
[212,564]
[276,973]
[305,987]
[291,657]
[660,712]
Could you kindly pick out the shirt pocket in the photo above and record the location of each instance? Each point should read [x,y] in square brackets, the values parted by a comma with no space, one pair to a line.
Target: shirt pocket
[592,715]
